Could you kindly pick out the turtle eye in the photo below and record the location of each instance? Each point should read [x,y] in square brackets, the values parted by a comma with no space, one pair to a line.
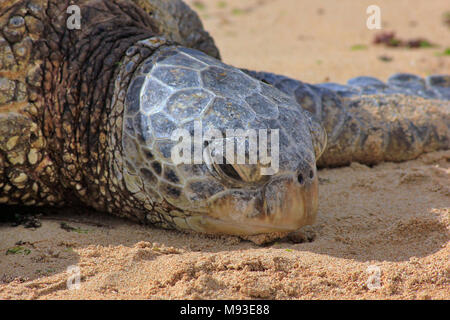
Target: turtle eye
[248,174]
[229,171]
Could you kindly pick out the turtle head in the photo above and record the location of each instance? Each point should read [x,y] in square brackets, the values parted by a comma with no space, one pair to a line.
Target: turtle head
[208,148]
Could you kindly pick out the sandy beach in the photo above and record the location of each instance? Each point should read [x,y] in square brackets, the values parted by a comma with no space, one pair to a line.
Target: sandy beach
[382,232]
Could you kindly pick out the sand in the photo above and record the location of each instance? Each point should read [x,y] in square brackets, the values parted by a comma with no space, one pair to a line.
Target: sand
[381,232]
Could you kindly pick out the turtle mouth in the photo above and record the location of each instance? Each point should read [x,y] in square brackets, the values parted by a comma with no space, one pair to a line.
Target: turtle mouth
[283,205]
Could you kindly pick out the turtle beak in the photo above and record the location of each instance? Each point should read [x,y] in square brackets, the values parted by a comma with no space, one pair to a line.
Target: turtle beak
[282,205]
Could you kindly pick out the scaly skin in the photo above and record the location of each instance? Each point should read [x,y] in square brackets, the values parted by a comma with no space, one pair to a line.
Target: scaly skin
[65,103]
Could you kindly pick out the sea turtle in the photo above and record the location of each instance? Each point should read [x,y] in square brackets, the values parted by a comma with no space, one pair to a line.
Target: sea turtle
[87,117]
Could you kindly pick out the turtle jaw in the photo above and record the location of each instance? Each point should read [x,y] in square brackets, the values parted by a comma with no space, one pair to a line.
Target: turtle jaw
[283,205]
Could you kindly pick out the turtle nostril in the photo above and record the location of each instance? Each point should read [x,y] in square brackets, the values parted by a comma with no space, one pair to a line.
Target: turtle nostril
[311,174]
[300,179]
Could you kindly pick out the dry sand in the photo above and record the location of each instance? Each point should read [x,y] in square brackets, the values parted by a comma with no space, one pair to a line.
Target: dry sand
[394,217]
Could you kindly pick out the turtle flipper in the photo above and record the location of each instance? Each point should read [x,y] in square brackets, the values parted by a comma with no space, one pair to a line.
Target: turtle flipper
[27,175]
[369,121]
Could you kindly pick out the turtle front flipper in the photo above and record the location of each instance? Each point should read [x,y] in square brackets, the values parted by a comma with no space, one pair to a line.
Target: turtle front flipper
[369,121]
[27,174]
